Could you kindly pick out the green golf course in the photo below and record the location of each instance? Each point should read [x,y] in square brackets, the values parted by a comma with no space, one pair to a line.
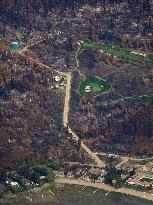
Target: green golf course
[118,52]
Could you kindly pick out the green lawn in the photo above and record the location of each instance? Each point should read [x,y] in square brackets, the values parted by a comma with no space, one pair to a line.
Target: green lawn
[72,56]
[136,187]
[120,53]
[97,85]
[143,99]
[146,98]
[146,179]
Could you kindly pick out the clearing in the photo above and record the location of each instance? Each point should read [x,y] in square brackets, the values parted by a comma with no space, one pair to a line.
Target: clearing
[118,52]
[93,85]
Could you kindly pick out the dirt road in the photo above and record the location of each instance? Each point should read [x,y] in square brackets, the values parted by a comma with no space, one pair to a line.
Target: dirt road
[67,99]
[41,64]
[93,155]
[66,110]
[124,160]
[99,162]
[106,188]
[132,159]
[33,44]
[68,76]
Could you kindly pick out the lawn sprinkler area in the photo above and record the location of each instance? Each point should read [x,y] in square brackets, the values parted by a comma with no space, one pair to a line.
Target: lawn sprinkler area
[93,85]
[118,52]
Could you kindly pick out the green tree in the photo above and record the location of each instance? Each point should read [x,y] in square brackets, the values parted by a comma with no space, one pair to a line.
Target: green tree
[42,170]
[118,181]
[24,168]
[51,177]
[3,176]
[66,169]
[79,144]
[94,177]
[35,177]
[132,172]
[113,175]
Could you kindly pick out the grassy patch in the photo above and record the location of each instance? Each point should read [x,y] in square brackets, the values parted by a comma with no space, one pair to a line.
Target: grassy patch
[96,85]
[144,98]
[146,179]
[136,187]
[120,53]
[103,107]
[72,56]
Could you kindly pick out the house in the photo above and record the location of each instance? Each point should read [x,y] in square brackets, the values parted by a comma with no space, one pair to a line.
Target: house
[138,181]
[14,184]
[57,78]
[88,89]
[42,177]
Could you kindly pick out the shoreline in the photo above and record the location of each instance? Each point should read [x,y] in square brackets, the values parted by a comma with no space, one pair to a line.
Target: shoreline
[106,187]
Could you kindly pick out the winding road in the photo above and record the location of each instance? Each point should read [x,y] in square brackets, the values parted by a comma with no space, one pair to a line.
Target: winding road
[93,155]
[68,76]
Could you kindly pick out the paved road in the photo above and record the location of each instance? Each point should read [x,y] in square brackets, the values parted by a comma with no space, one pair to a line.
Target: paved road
[105,187]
